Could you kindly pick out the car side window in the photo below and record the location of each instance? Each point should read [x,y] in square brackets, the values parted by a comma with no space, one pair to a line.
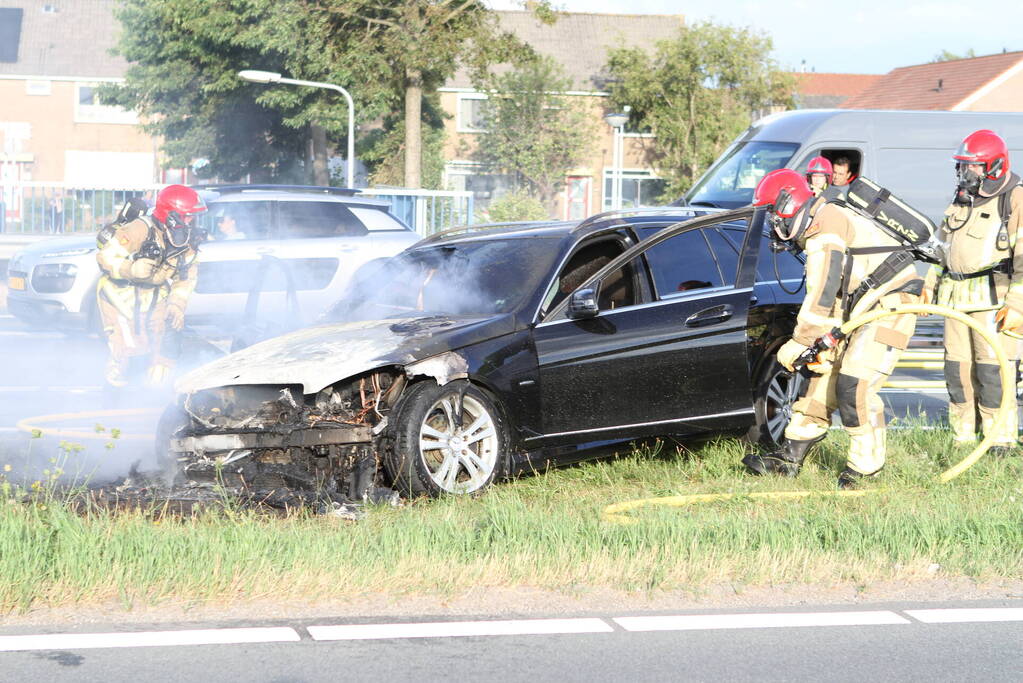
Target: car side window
[727,254]
[304,220]
[619,288]
[790,267]
[228,221]
[683,264]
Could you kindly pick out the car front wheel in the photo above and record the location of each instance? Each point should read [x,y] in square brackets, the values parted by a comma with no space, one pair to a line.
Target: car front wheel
[447,440]
[774,396]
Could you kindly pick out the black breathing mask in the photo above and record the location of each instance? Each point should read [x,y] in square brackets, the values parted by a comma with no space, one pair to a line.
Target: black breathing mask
[968,183]
[179,229]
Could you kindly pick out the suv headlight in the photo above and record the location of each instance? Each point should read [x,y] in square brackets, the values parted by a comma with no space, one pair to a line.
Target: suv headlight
[81,251]
[54,278]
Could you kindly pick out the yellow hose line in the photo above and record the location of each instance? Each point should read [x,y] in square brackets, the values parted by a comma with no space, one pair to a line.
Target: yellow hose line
[31,425]
[615,512]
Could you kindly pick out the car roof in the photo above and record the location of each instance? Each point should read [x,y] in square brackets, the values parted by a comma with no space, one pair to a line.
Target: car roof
[562,229]
[287,193]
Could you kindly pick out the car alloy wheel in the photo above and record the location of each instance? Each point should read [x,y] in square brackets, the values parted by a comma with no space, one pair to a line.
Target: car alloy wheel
[446,440]
[459,455]
[775,395]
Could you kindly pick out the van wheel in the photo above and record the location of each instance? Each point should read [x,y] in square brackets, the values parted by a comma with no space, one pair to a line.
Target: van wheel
[435,454]
[774,396]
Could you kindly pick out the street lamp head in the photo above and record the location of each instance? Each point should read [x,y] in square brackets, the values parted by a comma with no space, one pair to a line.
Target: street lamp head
[259,76]
[616,119]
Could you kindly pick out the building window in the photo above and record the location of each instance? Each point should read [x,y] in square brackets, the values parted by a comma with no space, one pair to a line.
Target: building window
[89,109]
[639,188]
[472,112]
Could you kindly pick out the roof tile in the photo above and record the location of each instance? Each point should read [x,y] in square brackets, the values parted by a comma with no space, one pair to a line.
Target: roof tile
[939,85]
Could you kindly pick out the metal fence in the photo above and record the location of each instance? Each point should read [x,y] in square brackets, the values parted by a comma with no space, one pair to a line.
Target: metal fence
[38,208]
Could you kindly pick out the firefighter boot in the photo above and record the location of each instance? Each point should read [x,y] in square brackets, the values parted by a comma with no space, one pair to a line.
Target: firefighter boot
[786,462]
[849,478]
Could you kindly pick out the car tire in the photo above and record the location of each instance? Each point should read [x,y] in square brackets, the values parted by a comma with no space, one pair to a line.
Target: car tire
[429,454]
[775,392]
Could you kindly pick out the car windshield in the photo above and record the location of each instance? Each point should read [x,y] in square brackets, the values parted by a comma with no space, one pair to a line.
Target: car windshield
[485,277]
[730,183]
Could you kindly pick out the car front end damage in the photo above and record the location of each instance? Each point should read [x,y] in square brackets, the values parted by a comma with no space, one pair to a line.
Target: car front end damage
[277,446]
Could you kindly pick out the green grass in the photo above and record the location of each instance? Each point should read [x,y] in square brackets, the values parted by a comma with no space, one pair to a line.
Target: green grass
[543,531]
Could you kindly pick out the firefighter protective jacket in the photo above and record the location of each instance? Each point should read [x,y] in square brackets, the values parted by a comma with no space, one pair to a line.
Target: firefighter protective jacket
[835,267]
[176,274]
[984,269]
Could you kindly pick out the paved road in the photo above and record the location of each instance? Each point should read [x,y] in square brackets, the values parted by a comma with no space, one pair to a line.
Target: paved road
[47,373]
[963,641]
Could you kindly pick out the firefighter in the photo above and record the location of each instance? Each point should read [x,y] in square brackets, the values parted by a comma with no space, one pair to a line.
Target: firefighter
[983,278]
[820,175]
[842,249]
[149,272]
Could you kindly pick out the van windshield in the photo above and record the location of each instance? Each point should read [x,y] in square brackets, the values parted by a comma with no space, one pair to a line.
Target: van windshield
[730,182]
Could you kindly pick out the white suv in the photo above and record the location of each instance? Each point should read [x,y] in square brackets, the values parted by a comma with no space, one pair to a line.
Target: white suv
[282,248]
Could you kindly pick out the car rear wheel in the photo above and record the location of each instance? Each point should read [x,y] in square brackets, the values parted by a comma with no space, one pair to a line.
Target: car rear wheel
[448,440]
[774,396]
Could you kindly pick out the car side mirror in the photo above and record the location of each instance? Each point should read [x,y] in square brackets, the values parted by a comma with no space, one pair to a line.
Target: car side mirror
[583,304]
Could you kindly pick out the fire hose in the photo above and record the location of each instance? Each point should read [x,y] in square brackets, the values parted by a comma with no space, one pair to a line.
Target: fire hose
[616,512]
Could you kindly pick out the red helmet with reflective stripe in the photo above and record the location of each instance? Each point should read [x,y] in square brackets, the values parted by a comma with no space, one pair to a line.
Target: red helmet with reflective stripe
[820,165]
[176,204]
[785,189]
[985,147]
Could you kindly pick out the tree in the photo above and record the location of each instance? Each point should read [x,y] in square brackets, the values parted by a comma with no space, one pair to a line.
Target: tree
[696,92]
[947,56]
[417,45]
[182,79]
[389,54]
[533,130]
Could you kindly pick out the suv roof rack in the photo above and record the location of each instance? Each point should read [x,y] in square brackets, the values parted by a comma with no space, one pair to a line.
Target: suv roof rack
[636,211]
[312,189]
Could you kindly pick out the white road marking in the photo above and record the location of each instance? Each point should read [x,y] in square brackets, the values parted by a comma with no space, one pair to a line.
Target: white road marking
[960,616]
[34,335]
[37,389]
[213,636]
[701,622]
[451,629]
[682,622]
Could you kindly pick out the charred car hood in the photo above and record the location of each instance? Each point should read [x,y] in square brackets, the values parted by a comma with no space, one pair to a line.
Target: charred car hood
[316,357]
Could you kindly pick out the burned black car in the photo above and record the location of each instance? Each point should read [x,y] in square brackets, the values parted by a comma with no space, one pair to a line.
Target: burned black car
[482,352]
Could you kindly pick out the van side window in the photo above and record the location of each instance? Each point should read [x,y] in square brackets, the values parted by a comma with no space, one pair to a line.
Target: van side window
[833,154]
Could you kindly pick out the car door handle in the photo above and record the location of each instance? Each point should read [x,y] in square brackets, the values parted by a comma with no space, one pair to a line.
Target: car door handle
[709,316]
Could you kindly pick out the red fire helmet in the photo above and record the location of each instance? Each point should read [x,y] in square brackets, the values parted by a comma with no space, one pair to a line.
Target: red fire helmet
[820,165]
[179,202]
[985,147]
[785,189]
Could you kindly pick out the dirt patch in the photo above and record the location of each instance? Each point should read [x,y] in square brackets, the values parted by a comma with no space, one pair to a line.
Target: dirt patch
[531,602]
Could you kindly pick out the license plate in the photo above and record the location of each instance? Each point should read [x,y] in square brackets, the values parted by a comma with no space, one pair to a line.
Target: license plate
[16,282]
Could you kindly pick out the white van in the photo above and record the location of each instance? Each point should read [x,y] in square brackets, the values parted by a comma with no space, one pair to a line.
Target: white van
[908,152]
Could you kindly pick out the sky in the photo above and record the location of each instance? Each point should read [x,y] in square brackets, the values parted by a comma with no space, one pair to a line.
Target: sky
[855,36]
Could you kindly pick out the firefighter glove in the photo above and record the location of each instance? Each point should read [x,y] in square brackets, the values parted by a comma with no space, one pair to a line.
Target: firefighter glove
[789,352]
[176,316]
[142,269]
[1009,320]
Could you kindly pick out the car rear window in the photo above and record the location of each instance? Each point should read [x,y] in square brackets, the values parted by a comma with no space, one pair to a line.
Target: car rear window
[377,219]
[305,219]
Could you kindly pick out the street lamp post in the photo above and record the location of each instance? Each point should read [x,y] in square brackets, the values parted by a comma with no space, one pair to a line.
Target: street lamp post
[617,122]
[267,77]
